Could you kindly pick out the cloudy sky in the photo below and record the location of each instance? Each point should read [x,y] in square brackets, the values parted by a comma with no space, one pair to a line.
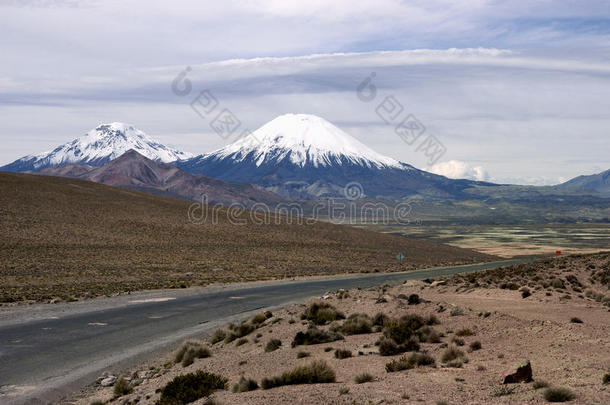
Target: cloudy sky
[517,91]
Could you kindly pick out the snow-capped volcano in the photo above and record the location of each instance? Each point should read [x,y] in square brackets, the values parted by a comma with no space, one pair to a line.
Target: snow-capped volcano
[303,139]
[96,148]
[304,156]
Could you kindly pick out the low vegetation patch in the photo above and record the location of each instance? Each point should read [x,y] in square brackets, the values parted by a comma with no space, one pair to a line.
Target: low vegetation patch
[314,336]
[190,387]
[122,387]
[465,332]
[301,355]
[355,324]
[322,313]
[363,378]
[218,336]
[540,384]
[476,345]
[342,354]
[453,356]
[388,347]
[190,351]
[606,379]
[575,320]
[245,384]
[273,345]
[558,394]
[316,372]
[406,363]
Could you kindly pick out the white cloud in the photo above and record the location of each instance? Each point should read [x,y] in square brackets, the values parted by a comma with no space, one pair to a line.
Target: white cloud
[455,169]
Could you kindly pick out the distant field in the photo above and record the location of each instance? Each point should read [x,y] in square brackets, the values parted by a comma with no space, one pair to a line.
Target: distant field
[65,238]
[512,240]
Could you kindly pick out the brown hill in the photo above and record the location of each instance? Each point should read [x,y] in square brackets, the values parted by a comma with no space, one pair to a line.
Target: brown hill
[65,237]
[135,171]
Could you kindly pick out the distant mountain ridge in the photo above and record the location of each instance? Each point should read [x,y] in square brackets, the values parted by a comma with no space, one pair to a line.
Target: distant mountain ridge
[135,171]
[597,183]
[96,148]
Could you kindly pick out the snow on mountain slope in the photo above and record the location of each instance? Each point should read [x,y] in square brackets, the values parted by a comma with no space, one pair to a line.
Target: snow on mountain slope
[305,140]
[100,145]
[302,156]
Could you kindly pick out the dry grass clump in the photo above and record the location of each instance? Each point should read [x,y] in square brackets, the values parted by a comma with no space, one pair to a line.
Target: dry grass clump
[575,320]
[322,313]
[273,345]
[316,372]
[314,336]
[258,319]
[190,387]
[239,331]
[122,387]
[363,378]
[245,385]
[381,319]
[218,336]
[355,324]
[540,384]
[606,379]
[454,357]
[558,394]
[406,363]
[342,354]
[301,355]
[476,345]
[465,332]
[388,347]
[190,351]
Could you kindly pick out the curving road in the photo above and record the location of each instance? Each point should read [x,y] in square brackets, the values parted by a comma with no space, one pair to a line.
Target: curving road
[43,359]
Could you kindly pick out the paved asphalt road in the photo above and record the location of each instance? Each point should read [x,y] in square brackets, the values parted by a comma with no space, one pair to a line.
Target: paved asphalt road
[55,356]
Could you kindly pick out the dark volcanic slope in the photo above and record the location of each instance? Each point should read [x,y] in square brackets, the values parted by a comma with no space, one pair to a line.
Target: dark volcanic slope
[65,237]
[596,183]
[134,171]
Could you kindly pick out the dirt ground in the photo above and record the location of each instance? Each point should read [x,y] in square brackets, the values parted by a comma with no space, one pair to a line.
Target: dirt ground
[510,328]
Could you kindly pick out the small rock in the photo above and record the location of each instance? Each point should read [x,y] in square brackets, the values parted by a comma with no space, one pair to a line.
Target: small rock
[438,282]
[108,381]
[521,373]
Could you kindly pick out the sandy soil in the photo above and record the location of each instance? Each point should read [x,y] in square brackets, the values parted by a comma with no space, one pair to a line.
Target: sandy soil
[510,328]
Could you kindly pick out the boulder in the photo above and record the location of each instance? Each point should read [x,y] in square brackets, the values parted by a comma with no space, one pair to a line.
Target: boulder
[521,373]
[108,381]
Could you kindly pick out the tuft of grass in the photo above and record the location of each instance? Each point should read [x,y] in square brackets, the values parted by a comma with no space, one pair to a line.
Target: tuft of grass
[388,347]
[454,357]
[190,351]
[241,341]
[381,319]
[476,345]
[239,331]
[343,391]
[122,387]
[558,394]
[606,379]
[540,384]
[465,332]
[407,363]
[404,329]
[321,313]
[245,385]
[363,378]
[190,387]
[314,336]
[457,341]
[316,372]
[273,345]
[575,320]
[342,354]
[413,299]
[301,355]
[258,319]
[356,324]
